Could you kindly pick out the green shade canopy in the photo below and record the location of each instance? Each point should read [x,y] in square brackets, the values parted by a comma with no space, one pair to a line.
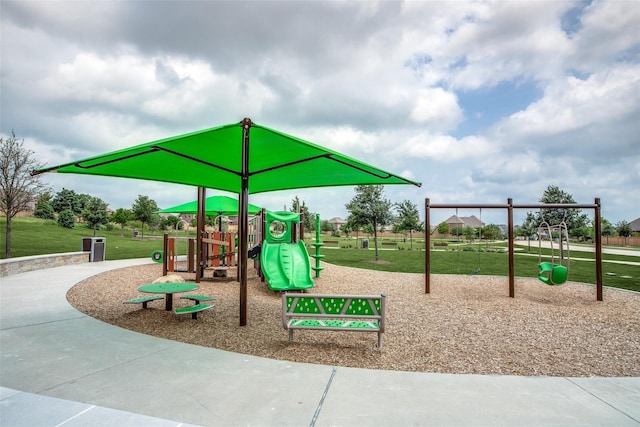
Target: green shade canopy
[212,158]
[240,158]
[214,205]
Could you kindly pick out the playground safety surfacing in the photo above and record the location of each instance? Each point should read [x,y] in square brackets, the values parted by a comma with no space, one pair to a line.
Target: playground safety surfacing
[60,367]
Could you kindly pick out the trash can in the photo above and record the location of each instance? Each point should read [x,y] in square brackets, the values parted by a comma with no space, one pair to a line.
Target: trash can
[365,244]
[96,247]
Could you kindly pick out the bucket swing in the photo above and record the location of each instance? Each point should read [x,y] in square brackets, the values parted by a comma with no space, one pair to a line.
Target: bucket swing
[553,273]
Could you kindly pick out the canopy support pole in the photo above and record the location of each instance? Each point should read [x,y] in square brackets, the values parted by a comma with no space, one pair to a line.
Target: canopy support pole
[243,217]
[200,225]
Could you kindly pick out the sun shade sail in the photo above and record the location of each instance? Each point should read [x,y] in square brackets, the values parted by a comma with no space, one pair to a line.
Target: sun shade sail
[212,158]
[239,158]
[214,205]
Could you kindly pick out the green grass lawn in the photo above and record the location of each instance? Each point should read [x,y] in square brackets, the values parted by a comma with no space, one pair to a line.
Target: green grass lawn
[32,236]
[488,263]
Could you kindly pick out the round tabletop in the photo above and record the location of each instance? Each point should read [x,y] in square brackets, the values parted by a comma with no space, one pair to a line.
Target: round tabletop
[167,288]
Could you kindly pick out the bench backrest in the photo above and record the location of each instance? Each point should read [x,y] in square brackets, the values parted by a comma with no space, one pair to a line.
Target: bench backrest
[335,306]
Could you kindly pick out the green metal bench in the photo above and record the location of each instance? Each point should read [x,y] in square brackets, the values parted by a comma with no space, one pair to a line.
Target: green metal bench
[197,299]
[144,300]
[193,310]
[356,313]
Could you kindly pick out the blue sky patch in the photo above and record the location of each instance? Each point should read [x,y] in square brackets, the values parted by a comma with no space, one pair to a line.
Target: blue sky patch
[487,105]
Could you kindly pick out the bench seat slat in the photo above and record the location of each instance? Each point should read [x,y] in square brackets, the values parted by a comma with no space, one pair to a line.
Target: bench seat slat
[340,324]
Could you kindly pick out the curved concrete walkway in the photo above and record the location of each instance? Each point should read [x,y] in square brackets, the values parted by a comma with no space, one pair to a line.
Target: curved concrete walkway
[60,367]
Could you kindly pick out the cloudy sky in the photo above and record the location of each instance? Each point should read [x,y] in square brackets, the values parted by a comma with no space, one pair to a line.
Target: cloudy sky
[479,101]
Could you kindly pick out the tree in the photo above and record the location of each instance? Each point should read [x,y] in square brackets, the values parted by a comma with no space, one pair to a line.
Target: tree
[67,199]
[143,210]
[325,225]
[607,228]
[214,221]
[121,216]
[173,222]
[308,217]
[95,213]
[18,188]
[44,209]
[443,228]
[574,218]
[346,229]
[352,225]
[491,232]
[470,233]
[67,218]
[623,229]
[371,208]
[529,228]
[408,218]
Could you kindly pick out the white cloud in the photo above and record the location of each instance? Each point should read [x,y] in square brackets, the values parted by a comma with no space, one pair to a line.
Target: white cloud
[446,149]
[437,109]
[571,104]
[382,81]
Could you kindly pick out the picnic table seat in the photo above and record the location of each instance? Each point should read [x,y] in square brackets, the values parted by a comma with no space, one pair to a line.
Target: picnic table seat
[144,300]
[193,310]
[197,299]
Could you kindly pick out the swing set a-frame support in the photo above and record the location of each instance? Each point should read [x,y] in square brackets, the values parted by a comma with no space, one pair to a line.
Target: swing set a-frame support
[509,206]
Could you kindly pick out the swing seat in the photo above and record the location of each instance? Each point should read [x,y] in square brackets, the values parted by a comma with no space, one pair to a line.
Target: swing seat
[552,274]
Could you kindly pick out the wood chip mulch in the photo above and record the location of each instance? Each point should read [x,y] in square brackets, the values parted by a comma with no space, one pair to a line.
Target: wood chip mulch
[466,325]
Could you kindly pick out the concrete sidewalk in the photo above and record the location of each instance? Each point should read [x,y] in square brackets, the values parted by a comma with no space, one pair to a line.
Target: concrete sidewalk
[60,367]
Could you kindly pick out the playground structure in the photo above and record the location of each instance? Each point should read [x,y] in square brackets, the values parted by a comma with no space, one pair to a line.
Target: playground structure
[218,250]
[284,260]
[509,206]
[553,273]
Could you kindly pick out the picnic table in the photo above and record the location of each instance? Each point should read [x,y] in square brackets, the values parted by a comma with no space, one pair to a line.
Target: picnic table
[168,289]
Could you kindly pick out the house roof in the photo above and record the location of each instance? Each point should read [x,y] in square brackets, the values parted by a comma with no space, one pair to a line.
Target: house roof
[464,221]
[635,225]
[454,220]
[337,220]
[472,221]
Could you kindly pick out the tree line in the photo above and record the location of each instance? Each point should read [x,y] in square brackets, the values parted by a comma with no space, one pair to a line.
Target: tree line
[67,207]
[369,210]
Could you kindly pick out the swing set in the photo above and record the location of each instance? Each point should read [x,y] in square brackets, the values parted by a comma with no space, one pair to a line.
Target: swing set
[552,273]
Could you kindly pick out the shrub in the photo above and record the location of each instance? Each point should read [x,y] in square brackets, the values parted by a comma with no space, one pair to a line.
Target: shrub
[67,218]
[44,211]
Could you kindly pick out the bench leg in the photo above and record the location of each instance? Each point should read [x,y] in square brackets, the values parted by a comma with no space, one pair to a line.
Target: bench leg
[194,315]
[144,304]
[379,340]
[290,335]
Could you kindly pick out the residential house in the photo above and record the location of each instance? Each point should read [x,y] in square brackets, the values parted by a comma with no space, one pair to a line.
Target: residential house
[455,221]
[337,223]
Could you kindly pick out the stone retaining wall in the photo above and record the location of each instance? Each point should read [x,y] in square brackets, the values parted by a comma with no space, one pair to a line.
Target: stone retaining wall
[38,262]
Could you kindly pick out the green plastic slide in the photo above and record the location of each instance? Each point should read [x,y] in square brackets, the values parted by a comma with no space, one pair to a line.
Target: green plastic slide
[286,266]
